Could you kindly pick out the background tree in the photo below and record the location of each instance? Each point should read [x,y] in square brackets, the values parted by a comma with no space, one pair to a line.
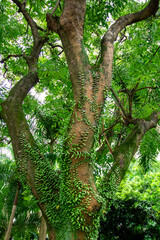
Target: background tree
[67,193]
[142,186]
[19,216]
[135,211]
[132,219]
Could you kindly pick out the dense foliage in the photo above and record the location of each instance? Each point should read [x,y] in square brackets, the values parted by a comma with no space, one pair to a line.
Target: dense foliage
[136,210]
[130,220]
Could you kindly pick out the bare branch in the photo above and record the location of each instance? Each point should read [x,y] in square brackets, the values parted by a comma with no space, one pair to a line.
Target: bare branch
[119,102]
[153,55]
[9,56]
[41,29]
[55,8]
[121,81]
[145,88]
[112,126]
[5,139]
[130,104]
[57,45]
[110,149]
[54,46]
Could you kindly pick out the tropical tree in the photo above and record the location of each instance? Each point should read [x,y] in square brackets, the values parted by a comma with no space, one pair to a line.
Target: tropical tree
[31,48]
[19,215]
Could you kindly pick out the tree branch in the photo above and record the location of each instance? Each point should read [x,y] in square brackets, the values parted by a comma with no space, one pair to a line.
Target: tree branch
[21,88]
[8,232]
[112,126]
[55,8]
[129,19]
[130,98]
[54,46]
[38,40]
[153,55]
[31,22]
[119,103]
[41,29]
[121,81]
[11,55]
[111,35]
[110,149]
[5,59]
[152,120]
[126,150]
[144,88]
[5,139]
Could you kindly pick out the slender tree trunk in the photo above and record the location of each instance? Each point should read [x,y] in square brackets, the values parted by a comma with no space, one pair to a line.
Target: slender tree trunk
[8,232]
[43,229]
[43,226]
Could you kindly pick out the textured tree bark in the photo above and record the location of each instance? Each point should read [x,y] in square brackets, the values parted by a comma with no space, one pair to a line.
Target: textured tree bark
[8,232]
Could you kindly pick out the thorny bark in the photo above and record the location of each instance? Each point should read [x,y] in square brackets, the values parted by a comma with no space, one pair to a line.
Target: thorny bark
[70,29]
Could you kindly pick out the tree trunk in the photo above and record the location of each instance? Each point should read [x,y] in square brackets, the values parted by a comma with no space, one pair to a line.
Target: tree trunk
[43,226]
[43,229]
[8,232]
[71,203]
